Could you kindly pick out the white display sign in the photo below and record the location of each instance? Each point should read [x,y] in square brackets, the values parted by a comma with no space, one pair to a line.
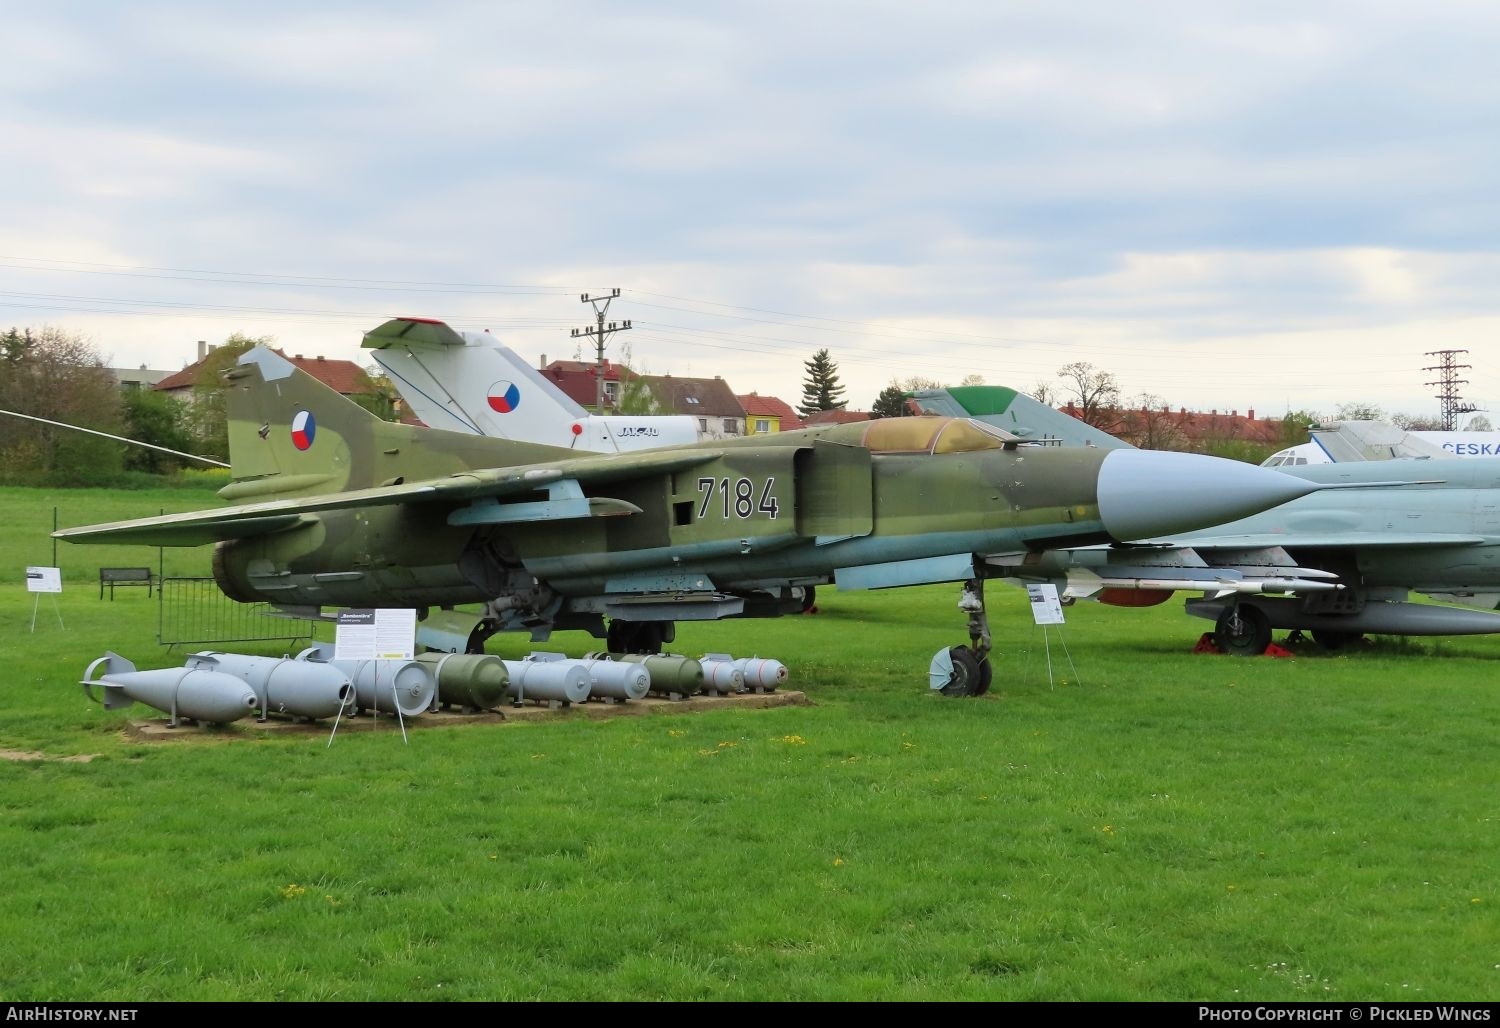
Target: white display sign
[375,635]
[1045,606]
[44,580]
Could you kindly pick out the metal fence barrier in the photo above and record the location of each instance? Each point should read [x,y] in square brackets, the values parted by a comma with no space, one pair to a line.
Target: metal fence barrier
[194,610]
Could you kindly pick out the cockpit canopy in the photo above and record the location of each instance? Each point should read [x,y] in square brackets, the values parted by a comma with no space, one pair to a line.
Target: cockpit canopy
[925,435]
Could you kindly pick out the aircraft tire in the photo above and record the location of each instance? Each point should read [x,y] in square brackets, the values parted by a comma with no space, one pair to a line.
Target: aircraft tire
[986,675]
[966,676]
[1335,639]
[636,636]
[1243,630]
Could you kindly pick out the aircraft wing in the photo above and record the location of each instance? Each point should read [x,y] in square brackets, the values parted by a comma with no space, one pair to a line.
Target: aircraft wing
[476,494]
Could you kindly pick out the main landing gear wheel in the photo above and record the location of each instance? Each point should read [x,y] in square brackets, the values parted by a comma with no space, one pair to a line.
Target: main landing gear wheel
[1335,638]
[638,636]
[1243,630]
[958,672]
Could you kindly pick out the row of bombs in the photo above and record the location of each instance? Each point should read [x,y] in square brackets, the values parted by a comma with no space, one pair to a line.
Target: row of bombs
[218,687]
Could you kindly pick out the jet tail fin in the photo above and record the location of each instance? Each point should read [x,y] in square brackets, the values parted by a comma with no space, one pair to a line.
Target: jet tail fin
[288,432]
[1016,413]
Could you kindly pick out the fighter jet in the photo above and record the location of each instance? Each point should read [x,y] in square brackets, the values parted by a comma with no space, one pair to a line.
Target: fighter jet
[470,382]
[333,507]
[1337,563]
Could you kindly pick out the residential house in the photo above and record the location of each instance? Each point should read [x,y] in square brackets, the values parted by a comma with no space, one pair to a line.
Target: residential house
[765,414]
[837,416]
[344,377]
[578,380]
[710,400]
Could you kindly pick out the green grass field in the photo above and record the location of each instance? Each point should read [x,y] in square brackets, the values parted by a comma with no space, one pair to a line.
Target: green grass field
[1159,826]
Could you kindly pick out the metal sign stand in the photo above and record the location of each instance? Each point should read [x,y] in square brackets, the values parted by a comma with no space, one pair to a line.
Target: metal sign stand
[1046,610]
[44,580]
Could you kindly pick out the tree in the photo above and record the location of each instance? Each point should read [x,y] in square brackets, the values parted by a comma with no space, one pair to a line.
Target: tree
[1358,410]
[1151,425]
[205,418]
[971,379]
[59,376]
[891,403]
[1044,392]
[1418,422]
[155,418]
[636,395]
[1478,423]
[1293,429]
[1095,393]
[821,389]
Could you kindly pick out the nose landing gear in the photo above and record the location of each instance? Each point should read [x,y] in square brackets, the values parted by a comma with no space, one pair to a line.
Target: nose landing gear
[966,670]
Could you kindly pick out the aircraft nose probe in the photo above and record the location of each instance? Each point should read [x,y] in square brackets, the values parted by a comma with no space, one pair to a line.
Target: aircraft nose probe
[1149,493]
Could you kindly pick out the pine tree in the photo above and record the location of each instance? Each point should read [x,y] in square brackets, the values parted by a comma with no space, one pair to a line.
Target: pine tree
[891,403]
[821,389]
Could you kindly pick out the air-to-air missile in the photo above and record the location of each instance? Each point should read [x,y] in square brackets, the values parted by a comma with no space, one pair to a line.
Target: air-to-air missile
[283,685]
[381,686]
[471,681]
[198,692]
[558,683]
[333,507]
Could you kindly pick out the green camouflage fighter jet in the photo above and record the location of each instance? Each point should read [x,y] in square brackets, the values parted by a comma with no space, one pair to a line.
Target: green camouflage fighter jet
[333,507]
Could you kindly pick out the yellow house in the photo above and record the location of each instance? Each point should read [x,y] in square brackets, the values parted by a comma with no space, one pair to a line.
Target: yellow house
[767,414]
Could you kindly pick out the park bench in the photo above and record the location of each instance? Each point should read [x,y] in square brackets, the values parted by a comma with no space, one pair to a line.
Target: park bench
[124,576]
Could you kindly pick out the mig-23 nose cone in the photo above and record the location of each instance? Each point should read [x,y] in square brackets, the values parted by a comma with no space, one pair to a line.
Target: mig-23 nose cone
[1149,493]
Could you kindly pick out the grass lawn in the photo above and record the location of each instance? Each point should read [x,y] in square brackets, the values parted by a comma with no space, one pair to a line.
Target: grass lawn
[1158,826]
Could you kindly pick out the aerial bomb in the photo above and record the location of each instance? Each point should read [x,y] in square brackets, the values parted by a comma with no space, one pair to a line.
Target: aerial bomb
[381,685]
[556,681]
[608,679]
[720,675]
[283,685]
[473,681]
[762,674]
[199,693]
[671,675]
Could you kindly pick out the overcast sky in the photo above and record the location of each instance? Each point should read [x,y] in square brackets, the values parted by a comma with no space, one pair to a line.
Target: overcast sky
[1229,206]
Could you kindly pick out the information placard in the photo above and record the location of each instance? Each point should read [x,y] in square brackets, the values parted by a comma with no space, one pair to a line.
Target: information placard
[375,635]
[44,580]
[1046,609]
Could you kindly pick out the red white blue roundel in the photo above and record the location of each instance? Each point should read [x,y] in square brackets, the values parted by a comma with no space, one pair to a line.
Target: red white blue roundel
[504,397]
[303,429]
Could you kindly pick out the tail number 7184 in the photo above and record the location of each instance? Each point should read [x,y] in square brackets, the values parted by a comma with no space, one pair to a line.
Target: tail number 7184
[737,498]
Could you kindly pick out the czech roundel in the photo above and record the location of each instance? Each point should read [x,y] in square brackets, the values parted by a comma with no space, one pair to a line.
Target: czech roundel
[504,397]
[303,429]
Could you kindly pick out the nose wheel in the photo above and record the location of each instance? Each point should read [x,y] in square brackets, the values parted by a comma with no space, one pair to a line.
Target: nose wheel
[966,670]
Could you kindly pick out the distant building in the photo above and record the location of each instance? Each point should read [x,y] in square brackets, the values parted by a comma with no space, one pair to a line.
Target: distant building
[1163,428]
[766,414]
[837,416]
[710,400]
[343,377]
[138,378]
[577,380]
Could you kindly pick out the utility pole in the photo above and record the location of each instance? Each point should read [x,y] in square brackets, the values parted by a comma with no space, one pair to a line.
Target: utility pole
[599,333]
[1448,383]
